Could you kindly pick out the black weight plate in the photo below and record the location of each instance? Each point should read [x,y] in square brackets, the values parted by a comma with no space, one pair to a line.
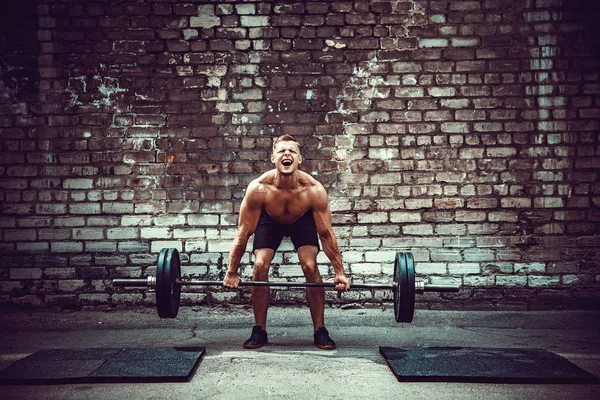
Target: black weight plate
[168,291]
[397,289]
[162,303]
[175,267]
[403,312]
[409,305]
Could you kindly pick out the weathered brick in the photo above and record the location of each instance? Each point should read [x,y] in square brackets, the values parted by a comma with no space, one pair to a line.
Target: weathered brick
[430,125]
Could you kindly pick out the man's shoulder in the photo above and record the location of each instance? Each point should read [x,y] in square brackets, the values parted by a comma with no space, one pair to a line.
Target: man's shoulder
[266,178]
[311,182]
[259,186]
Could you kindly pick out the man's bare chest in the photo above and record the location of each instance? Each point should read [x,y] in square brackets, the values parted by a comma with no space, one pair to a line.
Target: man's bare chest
[287,207]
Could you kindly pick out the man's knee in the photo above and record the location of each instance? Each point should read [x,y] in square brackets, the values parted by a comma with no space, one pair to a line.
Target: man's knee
[261,269]
[311,270]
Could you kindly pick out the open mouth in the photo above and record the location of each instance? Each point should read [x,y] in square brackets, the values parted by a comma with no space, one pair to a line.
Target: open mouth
[287,163]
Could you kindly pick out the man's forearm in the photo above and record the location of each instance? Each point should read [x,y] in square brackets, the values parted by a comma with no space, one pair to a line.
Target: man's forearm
[235,255]
[332,252]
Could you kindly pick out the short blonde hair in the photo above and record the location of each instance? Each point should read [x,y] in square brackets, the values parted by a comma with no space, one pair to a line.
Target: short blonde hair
[285,138]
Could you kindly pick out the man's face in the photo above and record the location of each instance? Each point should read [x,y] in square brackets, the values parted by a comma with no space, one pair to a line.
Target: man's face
[286,157]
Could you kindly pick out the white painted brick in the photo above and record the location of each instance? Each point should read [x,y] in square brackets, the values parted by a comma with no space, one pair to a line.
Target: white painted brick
[425,268]
[511,280]
[122,233]
[290,270]
[373,218]
[206,17]
[530,267]
[66,247]
[84,208]
[455,127]
[88,233]
[216,246]
[478,255]
[380,256]
[441,91]
[158,245]
[78,183]
[69,221]
[192,271]
[179,233]
[352,256]
[479,280]
[570,279]
[169,220]
[410,92]
[219,207]
[117,208]
[203,219]
[464,42]
[414,204]
[463,268]
[195,246]
[103,221]
[133,247]
[321,258]
[433,42]
[372,243]
[418,229]
[245,9]
[441,280]
[366,268]
[541,280]
[156,233]
[404,217]
[250,21]
[104,247]
[137,220]
[438,254]
[146,258]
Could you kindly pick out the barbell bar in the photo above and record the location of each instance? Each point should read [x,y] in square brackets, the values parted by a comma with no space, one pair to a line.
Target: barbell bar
[150,283]
[167,283]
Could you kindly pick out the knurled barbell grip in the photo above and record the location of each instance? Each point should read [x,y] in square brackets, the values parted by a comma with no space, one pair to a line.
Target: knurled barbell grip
[149,282]
[441,288]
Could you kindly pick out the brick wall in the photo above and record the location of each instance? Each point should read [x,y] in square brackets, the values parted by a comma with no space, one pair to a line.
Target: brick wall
[466,132]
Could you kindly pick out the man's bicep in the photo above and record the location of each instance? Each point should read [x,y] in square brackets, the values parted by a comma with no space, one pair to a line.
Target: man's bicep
[249,214]
[322,215]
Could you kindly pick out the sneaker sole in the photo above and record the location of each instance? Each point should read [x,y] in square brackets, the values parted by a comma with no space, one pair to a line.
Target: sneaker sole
[253,346]
[325,347]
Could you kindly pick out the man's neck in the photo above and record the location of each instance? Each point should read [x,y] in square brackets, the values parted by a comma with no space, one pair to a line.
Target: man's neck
[286,182]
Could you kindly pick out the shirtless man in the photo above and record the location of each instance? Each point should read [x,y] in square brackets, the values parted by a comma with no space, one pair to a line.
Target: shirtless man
[286,202]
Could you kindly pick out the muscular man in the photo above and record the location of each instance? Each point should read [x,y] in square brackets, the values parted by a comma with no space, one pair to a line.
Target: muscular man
[286,202]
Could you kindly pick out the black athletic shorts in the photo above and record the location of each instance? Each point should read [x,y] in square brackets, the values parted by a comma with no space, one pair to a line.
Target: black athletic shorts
[269,233]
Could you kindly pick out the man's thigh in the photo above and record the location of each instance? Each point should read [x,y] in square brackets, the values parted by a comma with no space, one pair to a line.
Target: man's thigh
[304,232]
[308,255]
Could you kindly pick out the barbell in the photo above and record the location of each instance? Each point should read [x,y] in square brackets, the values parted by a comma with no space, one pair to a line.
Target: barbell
[167,284]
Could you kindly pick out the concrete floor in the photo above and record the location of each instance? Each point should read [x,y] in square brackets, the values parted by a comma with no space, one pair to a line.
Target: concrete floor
[291,367]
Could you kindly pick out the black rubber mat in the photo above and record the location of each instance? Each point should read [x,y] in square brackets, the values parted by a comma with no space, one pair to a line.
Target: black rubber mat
[62,366]
[462,364]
